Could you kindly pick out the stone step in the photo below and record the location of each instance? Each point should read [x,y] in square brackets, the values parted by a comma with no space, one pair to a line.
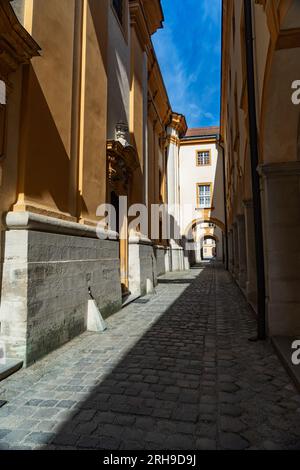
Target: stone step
[128,300]
[10,367]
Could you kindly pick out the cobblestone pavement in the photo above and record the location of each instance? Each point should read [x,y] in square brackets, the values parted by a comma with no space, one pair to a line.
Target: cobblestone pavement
[173,371]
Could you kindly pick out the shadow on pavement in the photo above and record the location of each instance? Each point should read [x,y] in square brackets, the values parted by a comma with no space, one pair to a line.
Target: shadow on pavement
[151,399]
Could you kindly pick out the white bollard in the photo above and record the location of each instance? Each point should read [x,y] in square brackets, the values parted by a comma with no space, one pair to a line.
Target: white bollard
[95,320]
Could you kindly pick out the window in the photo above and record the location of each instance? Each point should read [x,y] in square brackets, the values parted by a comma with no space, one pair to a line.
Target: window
[203,157]
[204,195]
[118,7]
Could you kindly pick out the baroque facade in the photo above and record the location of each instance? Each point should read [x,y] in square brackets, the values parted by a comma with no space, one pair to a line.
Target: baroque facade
[260,130]
[85,119]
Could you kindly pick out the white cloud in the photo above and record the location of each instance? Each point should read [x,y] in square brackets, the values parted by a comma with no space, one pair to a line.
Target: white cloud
[211,11]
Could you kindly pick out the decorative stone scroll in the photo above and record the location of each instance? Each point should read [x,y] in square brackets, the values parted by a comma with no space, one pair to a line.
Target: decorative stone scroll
[17,47]
[122,162]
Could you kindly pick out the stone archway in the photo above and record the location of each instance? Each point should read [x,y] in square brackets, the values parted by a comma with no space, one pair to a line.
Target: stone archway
[212,248]
[194,235]
[193,223]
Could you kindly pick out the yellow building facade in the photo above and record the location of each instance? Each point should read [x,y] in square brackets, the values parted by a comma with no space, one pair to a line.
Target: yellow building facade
[85,119]
[257,99]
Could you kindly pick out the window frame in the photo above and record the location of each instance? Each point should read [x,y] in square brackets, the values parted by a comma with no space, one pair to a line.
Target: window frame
[198,195]
[197,159]
[124,24]
[121,20]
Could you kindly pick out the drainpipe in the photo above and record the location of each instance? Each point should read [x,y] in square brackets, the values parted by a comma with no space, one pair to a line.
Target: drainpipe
[225,205]
[257,208]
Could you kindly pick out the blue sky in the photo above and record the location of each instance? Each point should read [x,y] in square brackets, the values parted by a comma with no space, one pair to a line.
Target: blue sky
[188,50]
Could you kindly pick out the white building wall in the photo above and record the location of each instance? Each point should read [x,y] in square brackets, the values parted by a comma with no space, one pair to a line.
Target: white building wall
[173,193]
[190,176]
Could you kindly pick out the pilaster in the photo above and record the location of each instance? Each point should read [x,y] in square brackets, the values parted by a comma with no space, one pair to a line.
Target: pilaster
[251,284]
[281,185]
[236,261]
[242,276]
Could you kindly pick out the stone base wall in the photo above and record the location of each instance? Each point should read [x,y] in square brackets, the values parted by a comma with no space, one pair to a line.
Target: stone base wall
[49,266]
[148,262]
[45,282]
[168,261]
[163,260]
[177,259]
[142,267]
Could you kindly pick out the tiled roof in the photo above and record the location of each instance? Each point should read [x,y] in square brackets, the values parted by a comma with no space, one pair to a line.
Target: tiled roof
[202,131]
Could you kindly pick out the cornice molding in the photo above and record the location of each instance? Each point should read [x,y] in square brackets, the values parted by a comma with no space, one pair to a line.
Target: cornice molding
[226,30]
[178,122]
[137,238]
[17,47]
[288,39]
[172,140]
[138,22]
[42,223]
[197,141]
[154,14]
[157,90]
[275,170]
[271,9]
[146,18]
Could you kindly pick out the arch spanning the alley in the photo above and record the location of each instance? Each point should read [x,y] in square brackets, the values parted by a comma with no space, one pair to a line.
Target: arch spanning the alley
[206,220]
[195,254]
[208,237]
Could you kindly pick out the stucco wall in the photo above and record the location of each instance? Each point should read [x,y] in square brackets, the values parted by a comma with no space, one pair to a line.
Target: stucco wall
[95,112]
[191,174]
[46,130]
[63,134]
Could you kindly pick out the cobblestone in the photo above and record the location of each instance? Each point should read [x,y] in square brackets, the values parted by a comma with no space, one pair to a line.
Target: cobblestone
[177,372]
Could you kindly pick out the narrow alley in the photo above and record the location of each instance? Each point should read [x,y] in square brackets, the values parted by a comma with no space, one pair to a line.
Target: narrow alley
[173,371]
